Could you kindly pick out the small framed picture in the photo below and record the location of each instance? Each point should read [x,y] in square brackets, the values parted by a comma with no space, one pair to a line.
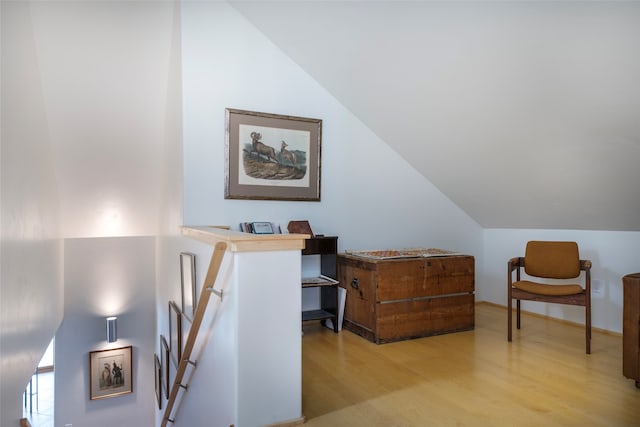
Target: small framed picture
[188,279]
[262,228]
[175,332]
[164,356]
[110,373]
[158,375]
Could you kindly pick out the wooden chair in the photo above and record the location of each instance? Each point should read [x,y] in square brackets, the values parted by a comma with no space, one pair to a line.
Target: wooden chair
[550,260]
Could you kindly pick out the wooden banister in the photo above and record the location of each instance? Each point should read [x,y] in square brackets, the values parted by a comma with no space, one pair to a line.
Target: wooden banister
[238,241]
[207,289]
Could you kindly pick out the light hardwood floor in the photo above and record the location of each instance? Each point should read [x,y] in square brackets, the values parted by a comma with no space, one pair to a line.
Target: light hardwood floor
[475,378]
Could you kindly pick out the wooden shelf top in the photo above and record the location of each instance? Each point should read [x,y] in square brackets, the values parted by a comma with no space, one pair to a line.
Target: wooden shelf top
[238,241]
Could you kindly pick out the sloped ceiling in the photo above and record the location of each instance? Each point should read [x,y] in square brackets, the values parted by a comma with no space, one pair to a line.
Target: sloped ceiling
[525,114]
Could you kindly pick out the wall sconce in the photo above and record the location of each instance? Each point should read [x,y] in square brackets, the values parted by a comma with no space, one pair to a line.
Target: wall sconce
[112,329]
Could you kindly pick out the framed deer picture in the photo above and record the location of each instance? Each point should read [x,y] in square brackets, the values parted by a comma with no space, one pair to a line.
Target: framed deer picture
[272,157]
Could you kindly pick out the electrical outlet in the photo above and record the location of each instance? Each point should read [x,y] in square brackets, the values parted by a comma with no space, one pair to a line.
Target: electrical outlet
[597,286]
[68,425]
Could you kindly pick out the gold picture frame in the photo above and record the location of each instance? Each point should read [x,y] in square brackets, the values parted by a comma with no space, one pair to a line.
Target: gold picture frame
[110,372]
[272,156]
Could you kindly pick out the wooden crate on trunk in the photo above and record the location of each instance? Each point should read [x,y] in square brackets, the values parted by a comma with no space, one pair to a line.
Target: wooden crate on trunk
[395,299]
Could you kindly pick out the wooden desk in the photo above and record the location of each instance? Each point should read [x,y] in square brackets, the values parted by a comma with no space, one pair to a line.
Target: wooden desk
[397,299]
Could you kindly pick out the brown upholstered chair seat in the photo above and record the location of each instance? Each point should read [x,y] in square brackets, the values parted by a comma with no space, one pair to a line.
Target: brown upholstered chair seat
[547,289]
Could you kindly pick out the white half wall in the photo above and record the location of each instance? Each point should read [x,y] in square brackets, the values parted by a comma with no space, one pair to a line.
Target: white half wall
[614,254]
[248,351]
[269,352]
[215,362]
[112,276]
[371,197]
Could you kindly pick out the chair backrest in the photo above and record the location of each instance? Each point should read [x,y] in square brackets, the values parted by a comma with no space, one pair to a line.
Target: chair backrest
[553,260]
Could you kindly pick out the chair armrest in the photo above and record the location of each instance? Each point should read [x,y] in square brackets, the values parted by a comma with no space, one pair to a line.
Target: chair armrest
[585,265]
[515,263]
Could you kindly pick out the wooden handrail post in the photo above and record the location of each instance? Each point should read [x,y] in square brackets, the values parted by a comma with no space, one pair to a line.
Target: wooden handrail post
[209,283]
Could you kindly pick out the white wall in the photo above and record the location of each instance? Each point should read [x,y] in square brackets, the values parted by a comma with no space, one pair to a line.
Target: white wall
[371,197]
[31,294]
[53,76]
[105,81]
[171,182]
[91,110]
[227,63]
[169,243]
[613,253]
[111,276]
[542,91]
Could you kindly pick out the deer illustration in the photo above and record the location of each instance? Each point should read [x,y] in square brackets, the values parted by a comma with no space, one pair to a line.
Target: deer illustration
[286,154]
[262,149]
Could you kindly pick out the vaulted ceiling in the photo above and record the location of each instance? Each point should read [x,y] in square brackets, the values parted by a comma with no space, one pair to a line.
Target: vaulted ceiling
[525,114]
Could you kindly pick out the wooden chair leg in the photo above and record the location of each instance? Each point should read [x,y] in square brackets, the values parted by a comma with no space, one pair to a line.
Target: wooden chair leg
[518,313]
[509,316]
[588,328]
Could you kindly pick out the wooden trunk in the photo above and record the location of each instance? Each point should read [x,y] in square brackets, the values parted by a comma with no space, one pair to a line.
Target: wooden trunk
[397,299]
[631,327]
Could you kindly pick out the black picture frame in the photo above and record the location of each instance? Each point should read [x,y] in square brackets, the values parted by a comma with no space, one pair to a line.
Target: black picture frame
[158,379]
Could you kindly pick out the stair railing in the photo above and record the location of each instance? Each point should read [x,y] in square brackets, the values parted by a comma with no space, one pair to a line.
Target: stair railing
[185,360]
